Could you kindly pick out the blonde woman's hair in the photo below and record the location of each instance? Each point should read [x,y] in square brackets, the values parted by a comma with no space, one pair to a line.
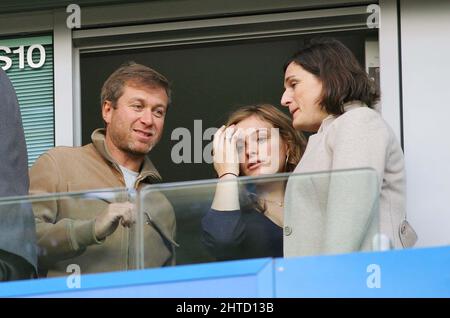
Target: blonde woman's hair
[295,141]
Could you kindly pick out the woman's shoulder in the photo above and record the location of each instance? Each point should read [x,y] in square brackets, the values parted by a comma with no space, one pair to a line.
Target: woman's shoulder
[358,110]
[360,123]
[361,117]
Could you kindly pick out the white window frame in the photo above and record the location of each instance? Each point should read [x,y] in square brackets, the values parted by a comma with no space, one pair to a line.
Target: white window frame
[389,66]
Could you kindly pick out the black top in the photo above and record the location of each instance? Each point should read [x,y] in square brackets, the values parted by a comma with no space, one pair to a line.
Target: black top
[241,234]
[17,229]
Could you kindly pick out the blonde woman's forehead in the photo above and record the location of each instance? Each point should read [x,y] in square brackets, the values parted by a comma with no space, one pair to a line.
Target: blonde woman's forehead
[254,122]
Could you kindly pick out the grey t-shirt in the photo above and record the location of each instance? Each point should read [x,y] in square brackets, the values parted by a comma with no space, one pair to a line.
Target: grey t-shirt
[129,176]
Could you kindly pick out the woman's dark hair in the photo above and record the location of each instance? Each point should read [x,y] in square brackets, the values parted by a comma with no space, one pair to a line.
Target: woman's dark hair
[343,79]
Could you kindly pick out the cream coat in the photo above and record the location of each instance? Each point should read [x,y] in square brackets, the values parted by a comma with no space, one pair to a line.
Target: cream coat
[340,212]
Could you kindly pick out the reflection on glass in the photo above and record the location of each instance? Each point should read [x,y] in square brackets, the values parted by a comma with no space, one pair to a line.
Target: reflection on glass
[67,240]
[18,248]
[331,213]
[322,213]
[174,224]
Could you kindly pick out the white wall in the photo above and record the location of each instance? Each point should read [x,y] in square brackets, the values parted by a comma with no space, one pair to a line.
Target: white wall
[425,40]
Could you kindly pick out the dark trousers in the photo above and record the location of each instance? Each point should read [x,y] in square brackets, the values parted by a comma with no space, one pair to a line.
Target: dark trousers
[13,267]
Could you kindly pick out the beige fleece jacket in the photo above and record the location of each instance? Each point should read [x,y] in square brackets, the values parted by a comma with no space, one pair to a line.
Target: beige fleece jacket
[65,227]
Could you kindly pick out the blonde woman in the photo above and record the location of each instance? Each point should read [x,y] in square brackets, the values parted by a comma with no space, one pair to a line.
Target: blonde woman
[256,140]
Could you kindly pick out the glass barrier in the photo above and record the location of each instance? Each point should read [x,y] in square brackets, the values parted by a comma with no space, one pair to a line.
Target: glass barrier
[265,216]
[191,222]
[68,233]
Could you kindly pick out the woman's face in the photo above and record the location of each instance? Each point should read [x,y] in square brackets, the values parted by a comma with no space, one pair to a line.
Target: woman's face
[302,96]
[261,149]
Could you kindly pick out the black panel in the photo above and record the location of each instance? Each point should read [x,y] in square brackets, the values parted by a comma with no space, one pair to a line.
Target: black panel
[208,81]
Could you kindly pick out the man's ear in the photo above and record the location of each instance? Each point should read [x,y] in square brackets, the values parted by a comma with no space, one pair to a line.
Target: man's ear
[107,111]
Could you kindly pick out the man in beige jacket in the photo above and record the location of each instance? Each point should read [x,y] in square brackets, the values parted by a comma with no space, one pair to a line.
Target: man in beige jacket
[98,235]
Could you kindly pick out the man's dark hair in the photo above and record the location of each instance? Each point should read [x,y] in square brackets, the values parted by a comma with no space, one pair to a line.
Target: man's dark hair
[132,74]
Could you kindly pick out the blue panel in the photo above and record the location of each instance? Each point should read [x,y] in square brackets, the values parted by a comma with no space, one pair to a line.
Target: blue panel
[182,275]
[406,273]
[266,281]
[239,286]
[402,273]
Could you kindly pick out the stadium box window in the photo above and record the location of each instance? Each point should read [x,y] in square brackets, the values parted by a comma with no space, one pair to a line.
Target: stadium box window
[28,61]
[214,65]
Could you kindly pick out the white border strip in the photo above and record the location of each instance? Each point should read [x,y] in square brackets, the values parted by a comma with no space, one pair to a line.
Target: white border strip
[63,77]
[389,68]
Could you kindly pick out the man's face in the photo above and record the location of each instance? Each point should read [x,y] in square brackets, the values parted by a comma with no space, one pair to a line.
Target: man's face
[136,122]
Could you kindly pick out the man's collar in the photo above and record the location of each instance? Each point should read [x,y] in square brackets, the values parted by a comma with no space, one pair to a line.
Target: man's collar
[147,170]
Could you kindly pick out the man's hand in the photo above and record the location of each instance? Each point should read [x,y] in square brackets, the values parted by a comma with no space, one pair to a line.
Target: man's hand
[108,221]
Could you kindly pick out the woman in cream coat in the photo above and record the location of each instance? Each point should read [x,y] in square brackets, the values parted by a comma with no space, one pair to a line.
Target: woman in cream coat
[329,94]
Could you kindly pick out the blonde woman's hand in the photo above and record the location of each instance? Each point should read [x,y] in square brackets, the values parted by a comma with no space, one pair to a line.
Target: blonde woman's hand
[225,151]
